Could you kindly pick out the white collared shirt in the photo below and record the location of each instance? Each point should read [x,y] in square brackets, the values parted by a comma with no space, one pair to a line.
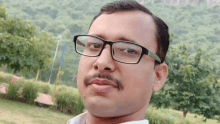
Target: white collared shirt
[81,119]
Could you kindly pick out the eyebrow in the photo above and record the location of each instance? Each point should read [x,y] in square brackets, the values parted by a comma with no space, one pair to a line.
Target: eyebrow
[120,38]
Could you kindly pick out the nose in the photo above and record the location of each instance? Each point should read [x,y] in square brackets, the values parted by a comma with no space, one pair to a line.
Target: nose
[105,62]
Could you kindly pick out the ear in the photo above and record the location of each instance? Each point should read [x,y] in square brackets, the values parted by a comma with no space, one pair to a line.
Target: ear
[161,72]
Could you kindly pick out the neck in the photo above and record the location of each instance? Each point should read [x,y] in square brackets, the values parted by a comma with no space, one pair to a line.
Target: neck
[92,119]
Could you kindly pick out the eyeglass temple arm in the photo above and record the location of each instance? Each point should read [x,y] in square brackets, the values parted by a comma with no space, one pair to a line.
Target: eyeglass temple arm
[152,55]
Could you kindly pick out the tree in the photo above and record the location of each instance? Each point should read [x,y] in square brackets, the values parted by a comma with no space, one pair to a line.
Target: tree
[22,46]
[192,82]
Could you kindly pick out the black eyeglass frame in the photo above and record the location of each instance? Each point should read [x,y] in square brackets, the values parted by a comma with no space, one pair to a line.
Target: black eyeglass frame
[144,50]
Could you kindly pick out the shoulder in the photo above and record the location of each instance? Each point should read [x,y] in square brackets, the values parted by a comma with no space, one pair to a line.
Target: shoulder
[71,121]
[79,119]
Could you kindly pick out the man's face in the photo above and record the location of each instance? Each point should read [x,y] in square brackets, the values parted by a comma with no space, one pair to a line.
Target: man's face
[136,81]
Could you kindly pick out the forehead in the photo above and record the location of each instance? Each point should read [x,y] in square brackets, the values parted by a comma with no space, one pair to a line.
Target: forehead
[135,26]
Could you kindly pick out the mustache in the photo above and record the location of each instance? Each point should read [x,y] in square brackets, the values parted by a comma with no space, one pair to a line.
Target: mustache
[104,76]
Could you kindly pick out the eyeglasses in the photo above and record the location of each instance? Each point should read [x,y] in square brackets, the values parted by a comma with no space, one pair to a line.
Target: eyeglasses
[122,51]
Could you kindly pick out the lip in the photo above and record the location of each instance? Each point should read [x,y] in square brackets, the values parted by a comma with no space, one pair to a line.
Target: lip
[102,86]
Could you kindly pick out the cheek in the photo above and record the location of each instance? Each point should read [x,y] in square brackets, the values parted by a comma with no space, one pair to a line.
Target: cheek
[85,64]
[83,69]
[139,80]
[137,87]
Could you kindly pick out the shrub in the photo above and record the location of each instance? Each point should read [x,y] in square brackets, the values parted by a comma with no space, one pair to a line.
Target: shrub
[44,88]
[12,91]
[64,101]
[21,81]
[66,88]
[6,78]
[30,91]
[68,102]
[79,106]
[154,118]
[62,89]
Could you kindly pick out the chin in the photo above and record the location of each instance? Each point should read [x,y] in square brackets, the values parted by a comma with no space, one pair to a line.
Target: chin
[103,113]
[101,110]
[109,111]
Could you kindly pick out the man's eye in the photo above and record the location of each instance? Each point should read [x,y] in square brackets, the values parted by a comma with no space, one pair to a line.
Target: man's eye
[130,51]
[94,45]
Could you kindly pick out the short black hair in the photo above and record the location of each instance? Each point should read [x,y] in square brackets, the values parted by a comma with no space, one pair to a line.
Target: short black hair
[162,33]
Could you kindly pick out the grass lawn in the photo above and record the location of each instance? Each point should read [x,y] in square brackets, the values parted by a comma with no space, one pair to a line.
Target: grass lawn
[20,113]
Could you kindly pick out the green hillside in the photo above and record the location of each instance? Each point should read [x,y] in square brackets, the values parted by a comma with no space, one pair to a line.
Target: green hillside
[196,26]
[188,23]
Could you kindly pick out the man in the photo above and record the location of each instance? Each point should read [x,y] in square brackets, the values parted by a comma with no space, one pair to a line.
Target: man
[121,64]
